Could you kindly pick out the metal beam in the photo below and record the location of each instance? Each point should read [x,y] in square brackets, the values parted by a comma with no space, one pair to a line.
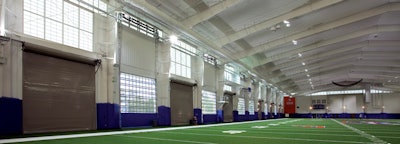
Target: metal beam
[367,31]
[337,50]
[266,24]
[336,23]
[208,13]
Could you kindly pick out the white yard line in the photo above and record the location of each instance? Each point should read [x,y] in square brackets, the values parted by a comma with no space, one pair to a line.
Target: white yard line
[123,132]
[264,137]
[362,133]
[162,139]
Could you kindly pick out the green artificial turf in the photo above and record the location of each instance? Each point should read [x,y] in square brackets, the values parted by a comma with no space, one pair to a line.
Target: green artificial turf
[281,131]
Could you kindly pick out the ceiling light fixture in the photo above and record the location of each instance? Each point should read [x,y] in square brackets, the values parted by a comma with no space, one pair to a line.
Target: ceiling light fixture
[299,54]
[303,63]
[287,23]
[294,42]
[306,70]
[173,38]
[308,75]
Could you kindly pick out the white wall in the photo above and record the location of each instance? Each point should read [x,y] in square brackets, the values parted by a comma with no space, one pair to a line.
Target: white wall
[303,104]
[353,104]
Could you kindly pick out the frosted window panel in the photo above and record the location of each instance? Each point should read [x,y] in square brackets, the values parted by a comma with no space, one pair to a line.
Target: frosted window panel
[71,14]
[241,109]
[86,41]
[251,107]
[208,102]
[183,59]
[96,4]
[34,6]
[188,60]
[178,69]
[53,31]
[173,53]
[178,56]
[74,1]
[54,10]
[71,36]
[86,20]
[90,2]
[33,25]
[102,5]
[173,68]
[188,72]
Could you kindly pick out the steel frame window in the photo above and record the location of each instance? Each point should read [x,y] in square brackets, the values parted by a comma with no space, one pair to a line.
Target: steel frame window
[61,21]
[181,54]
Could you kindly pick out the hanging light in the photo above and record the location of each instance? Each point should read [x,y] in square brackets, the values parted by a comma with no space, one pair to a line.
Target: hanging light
[173,38]
[299,54]
[294,42]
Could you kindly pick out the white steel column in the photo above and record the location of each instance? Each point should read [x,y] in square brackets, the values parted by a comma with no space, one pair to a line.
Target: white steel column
[163,65]
[198,74]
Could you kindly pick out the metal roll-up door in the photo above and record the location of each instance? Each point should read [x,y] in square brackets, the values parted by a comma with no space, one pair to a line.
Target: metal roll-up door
[181,103]
[58,94]
[228,107]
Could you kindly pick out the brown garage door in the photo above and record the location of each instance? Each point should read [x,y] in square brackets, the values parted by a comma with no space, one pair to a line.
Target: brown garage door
[228,108]
[58,94]
[181,104]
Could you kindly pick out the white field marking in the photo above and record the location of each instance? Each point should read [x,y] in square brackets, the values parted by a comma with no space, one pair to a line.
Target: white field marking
[316,120]
[273,124]
[307,130]
[362,133]
[259,127]
[387,132]
[239,136]
[390,137]
[162,139]
[234,131]
[123,132]
[289,133]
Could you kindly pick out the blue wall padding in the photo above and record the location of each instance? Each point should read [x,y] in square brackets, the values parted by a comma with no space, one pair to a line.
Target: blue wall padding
[10,116]
[263,116]
[108,116]
[138,119]
[220,116]
[236,116]
[164,116]
[197,112]
[210,118]
[255,116]
[247,116]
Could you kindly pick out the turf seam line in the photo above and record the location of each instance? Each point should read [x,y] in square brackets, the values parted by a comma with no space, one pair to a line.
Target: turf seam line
[162,139]
[362,133]
[278,138]
[123,132]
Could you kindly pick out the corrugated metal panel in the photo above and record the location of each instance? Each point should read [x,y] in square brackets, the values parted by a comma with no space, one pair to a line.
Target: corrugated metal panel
[138,53]
[210,77]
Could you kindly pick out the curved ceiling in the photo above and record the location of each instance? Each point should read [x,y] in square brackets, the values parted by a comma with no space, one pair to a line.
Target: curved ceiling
[337,40]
